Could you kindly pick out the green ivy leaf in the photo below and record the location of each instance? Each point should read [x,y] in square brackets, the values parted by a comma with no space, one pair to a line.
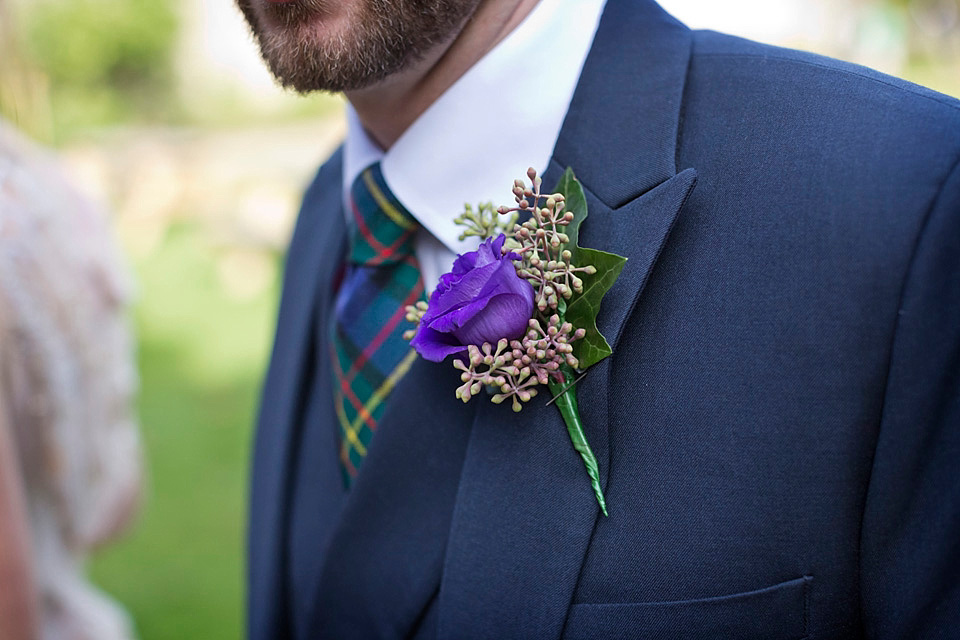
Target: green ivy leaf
[582,310]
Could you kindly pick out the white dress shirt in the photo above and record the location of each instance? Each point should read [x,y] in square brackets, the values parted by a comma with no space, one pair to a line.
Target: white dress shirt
[501,117]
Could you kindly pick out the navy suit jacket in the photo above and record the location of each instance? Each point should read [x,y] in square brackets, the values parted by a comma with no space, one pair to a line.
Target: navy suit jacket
[778,429]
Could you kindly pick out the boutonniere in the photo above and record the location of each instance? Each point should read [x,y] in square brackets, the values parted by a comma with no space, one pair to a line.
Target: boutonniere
[520,312]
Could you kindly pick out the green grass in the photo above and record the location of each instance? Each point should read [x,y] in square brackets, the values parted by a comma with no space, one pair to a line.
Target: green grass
[202,354]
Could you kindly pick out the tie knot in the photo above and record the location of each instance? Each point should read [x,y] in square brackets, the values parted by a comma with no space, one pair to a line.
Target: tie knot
[381,229]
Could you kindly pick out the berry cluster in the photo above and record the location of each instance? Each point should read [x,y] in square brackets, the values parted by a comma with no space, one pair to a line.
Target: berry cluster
[516,367]
[484,222]
[542,244]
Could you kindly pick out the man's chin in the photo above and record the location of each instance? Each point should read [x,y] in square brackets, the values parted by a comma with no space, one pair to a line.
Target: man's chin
[273,15]
[297,41]
[345,45]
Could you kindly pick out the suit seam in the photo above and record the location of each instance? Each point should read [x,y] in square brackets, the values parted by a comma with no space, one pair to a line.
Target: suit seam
[927,216]
[946,100]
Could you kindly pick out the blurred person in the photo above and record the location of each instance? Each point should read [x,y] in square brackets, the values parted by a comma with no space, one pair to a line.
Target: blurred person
[70,467]
[778,427]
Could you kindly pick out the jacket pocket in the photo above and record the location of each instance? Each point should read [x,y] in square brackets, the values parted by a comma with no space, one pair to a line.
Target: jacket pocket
[779,612]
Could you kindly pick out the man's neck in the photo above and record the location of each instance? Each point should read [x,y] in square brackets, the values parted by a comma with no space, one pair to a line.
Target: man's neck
[388,108]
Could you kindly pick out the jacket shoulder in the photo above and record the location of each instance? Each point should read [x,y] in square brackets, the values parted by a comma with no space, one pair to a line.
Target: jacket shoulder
[831,121]
[837,149]
[801,72]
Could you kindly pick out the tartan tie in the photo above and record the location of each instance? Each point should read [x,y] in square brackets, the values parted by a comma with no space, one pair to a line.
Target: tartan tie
[369,354]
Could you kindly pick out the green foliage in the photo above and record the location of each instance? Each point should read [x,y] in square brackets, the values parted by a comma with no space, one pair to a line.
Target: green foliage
[485,222]
[105,59]
[90,42]
[202,354]
[582,311]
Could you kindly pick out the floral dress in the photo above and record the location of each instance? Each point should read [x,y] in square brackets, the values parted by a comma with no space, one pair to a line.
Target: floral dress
[67,382]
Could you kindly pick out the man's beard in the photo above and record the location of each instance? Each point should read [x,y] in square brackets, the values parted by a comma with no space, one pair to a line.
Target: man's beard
[380,38]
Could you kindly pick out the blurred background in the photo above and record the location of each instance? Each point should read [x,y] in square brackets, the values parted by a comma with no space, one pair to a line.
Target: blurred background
[162,110]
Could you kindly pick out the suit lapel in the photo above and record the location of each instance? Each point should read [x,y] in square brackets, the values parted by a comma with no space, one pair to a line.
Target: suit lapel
[524,510]
[624,143]
[315,250]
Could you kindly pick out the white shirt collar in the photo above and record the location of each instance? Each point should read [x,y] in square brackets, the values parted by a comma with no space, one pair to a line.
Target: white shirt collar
[501,117]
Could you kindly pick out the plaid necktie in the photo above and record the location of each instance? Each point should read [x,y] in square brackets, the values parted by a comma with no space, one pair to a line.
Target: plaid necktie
[368,351]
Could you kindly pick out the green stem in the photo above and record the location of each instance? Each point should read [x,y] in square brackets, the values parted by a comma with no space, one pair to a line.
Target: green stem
[566,399]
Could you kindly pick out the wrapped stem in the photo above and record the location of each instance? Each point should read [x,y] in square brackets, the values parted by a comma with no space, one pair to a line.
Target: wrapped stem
[566,399]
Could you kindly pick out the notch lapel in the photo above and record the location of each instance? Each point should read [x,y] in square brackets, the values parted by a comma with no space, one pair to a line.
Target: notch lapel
[525,511]
[316,249]
[622,140]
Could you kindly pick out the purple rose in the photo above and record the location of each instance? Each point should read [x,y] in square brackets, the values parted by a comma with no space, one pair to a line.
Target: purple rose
[481,300]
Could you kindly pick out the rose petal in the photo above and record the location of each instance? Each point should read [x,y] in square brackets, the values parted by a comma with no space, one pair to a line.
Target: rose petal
[489,251]
[502,279]
[447,281]
[434,345]
[505,280]
[504,316]
[464,263]
[464,291]
[456,318]
[483,321]
[497,245]
[485,254]
[481,300]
